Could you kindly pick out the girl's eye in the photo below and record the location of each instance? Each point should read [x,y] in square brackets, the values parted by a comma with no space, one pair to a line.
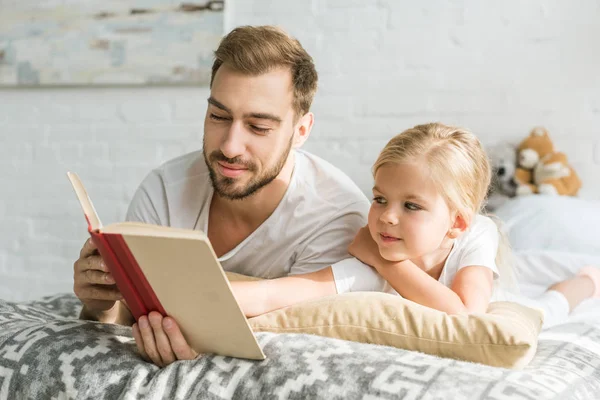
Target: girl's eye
[217,118]
[379,200]
[260,130]
[412,206]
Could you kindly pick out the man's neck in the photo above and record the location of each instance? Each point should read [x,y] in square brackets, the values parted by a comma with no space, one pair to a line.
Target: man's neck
[255,209]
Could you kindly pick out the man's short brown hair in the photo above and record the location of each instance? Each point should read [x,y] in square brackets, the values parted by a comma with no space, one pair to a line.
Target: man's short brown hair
[255,50]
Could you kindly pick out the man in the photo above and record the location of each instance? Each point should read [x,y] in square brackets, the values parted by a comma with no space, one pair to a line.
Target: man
[269,209]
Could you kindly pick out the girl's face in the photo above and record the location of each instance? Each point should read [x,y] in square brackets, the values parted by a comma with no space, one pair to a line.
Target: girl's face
[408,218]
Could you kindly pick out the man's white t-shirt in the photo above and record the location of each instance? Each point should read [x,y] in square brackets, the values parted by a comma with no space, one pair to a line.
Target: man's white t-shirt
[477,246]
[310,229]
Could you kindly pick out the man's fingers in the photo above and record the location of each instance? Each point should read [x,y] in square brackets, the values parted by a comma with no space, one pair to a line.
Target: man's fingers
[148,340]
[95,262]
[162,341]
[88,248]
[100,264]
[95,277]
[180,347]
[90,262]
[139,342]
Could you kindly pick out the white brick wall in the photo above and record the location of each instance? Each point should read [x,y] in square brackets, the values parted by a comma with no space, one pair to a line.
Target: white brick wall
[498,68]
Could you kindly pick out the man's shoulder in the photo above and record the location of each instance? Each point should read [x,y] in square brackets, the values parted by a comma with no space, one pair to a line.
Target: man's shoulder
[325,182]
[184,167]
[172,193]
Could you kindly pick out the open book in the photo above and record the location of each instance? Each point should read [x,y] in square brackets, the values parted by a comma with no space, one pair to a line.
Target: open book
[175,272]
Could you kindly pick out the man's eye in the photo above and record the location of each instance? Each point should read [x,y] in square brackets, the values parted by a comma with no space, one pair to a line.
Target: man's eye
[412,206]
[379,200]
[217,118]
[259,129]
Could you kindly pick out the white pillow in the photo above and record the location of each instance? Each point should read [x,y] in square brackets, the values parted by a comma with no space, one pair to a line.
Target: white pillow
[556,223]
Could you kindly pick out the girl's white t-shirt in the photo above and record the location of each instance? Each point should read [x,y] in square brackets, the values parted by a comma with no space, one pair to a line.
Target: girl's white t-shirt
[477,246]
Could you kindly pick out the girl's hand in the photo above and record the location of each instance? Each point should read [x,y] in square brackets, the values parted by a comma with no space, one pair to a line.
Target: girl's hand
[366,250]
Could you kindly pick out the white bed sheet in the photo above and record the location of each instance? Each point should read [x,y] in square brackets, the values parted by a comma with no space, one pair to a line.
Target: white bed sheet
[539,269]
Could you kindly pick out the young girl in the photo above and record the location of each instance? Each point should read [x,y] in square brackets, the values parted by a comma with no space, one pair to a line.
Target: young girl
[426,238]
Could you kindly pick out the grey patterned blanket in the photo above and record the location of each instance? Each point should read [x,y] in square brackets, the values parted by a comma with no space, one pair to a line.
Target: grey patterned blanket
[46,353]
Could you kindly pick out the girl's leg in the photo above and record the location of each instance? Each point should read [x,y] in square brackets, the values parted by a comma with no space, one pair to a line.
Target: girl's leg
[584,285]
[561,298]
[551,303]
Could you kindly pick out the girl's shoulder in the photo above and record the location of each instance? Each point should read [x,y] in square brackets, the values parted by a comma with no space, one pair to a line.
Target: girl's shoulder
[483,230]
[477,246]
[483,224]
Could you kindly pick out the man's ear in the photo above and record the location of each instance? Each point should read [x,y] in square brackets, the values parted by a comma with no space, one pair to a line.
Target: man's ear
[303,128]
[460,225]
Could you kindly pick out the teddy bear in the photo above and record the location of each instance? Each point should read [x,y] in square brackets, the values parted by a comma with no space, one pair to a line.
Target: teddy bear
[529,152]
[541,169]
[503,159]
[554,175]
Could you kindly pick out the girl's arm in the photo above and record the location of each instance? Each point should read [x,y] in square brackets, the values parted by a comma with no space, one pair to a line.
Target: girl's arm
[259,297]
[474,285]
[470,293]
[471,289]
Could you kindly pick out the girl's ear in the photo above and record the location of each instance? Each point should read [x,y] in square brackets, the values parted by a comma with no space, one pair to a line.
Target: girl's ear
[460,225]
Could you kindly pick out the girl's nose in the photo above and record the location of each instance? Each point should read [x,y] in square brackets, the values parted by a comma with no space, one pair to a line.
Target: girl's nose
[389,218]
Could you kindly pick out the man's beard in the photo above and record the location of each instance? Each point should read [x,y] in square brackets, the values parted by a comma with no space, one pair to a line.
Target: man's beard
[225,186]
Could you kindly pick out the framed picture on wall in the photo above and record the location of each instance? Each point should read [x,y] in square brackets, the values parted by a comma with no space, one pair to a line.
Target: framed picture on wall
[108,42]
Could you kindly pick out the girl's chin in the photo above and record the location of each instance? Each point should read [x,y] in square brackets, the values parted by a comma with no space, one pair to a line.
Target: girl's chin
[392,257]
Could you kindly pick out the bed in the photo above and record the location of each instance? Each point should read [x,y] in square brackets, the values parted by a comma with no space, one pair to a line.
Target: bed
[45,352]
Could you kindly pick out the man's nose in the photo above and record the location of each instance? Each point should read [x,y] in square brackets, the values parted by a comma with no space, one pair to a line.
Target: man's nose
[233,144]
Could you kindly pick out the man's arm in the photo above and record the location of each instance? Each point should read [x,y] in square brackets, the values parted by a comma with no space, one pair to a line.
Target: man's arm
[160,340]
[262,296]
[119,314]
[311,276]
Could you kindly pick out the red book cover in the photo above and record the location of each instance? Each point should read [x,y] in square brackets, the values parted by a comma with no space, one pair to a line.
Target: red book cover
[180,266]
[124,282]
[129,278]
[140,288]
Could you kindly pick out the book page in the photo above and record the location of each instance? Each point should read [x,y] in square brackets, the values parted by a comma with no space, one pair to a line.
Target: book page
[143,229]
[191,286]
[86,203]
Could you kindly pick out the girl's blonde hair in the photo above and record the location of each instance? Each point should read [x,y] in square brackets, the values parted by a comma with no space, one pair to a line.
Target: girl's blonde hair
[459,168]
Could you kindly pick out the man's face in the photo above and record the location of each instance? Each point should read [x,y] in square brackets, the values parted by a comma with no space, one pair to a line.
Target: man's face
[248,130]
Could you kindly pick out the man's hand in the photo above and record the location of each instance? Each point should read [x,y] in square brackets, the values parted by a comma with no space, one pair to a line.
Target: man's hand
[366,250]
[160,340]
[95,286]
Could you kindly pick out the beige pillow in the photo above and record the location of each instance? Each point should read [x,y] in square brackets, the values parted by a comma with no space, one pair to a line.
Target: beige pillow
[505,336]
